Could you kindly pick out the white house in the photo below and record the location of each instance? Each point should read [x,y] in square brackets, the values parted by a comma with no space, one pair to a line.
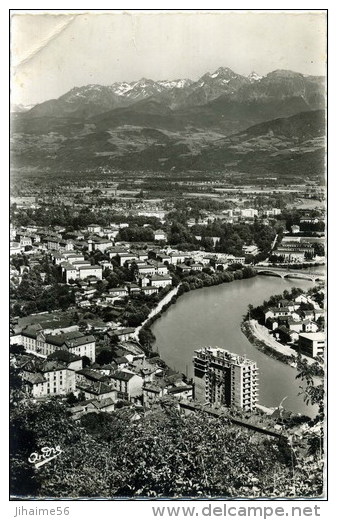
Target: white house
[94,228]
[159,234]
[160,281]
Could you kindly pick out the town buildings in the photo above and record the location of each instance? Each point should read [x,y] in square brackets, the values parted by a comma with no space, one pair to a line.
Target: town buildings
[106,276]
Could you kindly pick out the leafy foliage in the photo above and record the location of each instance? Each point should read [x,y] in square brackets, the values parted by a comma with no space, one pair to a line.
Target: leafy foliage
[162,454]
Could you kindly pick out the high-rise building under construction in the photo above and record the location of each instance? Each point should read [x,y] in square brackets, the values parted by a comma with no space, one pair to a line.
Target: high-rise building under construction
[222,377]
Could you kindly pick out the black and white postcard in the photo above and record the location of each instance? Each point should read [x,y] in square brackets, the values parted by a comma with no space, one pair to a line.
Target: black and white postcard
[168,258]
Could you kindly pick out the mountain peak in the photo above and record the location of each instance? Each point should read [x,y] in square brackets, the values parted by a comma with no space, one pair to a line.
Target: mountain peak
[144,81]
[283,73]
[224,72]
[254,76]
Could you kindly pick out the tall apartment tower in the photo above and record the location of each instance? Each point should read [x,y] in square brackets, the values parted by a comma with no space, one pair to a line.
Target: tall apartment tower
[225,378]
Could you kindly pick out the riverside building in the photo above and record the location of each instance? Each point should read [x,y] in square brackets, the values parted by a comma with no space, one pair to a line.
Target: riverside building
[222,377]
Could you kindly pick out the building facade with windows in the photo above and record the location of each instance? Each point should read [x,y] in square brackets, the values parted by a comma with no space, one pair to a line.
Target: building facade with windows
[224,378]
[52,378]
[45,344]
[312,343]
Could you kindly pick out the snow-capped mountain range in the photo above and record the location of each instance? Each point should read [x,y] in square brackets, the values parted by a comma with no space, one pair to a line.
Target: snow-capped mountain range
[121,94]
[223,85]
[144,88]
[184,124]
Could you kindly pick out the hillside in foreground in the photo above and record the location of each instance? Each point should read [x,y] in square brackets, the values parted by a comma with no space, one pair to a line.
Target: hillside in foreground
[161,454]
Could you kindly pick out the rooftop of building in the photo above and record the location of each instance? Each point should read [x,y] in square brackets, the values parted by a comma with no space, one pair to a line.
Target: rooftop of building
[52,366]
[220,353]
[161,277]
[34,377]
[123,375]
[71,339]
[86,267]
[316,336]
[63,355]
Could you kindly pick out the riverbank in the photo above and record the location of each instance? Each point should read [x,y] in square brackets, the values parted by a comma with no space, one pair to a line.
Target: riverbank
[297,266]
[259,336]
[188,283]
[164,302]
[263,346]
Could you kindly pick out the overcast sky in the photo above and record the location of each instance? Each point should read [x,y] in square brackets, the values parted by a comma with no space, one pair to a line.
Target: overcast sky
[53,53]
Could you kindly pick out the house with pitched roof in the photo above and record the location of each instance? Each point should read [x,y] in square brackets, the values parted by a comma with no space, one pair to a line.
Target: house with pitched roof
[160,280]
[94,228]
[123,334]
[153,391]
[72,361]
[97,390]
[128,384]
[48,378]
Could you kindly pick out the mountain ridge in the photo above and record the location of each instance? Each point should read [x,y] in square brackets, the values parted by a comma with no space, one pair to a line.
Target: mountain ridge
[179,124]
[179,93]
[279,146]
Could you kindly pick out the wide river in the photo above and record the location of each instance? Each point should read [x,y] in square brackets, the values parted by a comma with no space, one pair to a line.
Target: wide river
[212,316]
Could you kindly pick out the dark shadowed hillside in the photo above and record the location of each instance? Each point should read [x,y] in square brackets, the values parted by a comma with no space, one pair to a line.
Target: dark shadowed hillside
[285,146]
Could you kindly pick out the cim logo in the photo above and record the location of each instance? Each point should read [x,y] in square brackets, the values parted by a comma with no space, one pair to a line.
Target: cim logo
[47,454]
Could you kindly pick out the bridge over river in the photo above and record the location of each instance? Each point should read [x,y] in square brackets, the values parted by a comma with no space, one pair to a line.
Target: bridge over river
[291,273]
